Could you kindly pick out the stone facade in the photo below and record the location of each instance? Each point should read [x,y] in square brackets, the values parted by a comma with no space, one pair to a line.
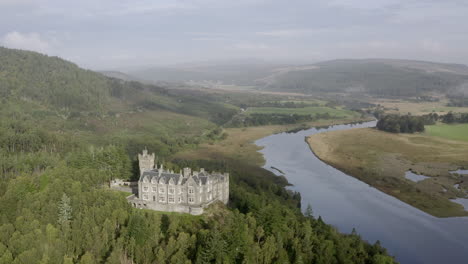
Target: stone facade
[185,192]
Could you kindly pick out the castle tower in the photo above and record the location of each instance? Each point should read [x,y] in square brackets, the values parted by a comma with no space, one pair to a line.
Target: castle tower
[146,161]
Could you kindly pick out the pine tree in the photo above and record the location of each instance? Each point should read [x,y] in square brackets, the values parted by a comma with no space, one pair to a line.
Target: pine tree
[308,212]
[65,211]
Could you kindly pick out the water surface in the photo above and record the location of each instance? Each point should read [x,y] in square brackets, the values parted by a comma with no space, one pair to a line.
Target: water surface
[415,177]
[345,202]
[462,201]
[460,171]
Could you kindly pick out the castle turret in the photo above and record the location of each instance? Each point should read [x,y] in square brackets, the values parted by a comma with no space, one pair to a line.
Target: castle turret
[146,161]
[187,172]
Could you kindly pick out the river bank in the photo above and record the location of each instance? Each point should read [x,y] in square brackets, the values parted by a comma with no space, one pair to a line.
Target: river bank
[410,234]
[381,159]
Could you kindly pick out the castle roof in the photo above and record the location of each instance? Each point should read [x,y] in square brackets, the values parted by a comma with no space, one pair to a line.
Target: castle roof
[166,177]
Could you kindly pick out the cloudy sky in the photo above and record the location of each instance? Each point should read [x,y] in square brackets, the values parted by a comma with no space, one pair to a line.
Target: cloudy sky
[101,34]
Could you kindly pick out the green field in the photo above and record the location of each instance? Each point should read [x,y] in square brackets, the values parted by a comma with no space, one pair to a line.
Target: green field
[310,110]
[453,132]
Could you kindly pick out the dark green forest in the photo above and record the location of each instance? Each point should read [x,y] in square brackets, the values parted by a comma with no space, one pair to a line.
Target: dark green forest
[65,132]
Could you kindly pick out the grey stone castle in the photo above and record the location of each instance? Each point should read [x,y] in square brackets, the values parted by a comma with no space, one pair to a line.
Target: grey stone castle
[186,192]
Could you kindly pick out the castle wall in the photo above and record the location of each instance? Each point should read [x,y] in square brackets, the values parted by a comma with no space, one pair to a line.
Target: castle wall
[171,196]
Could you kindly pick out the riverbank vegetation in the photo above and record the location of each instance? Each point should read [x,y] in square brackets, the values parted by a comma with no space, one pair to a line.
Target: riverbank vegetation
[381,160]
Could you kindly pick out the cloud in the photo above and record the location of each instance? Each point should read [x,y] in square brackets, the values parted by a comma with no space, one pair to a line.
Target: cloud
[443,11]
[27,41]
[363,4]
[431,46]
[287,33]
[251,46]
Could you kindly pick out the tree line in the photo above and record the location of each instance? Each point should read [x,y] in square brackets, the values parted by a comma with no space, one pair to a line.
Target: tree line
[410,124]
[256,119]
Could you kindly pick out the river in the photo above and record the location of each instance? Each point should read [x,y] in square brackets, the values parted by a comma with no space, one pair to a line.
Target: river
[411,235]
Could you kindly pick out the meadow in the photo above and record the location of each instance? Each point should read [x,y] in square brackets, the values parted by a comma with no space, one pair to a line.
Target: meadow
[449,131]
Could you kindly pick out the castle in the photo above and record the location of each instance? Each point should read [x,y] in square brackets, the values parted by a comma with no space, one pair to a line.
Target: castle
[185,192]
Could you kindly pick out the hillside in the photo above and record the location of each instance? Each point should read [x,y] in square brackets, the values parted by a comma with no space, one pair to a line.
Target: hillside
[60,84]
[379,77]
[57,157]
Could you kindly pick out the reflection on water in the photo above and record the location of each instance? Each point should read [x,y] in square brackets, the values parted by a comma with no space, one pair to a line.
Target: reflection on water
[415,177]
[408,233]
[461,201]
[460,171]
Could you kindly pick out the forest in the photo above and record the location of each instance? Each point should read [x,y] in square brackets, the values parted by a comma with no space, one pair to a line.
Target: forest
[56,162]
[450,118]
[410,124]
[405,123]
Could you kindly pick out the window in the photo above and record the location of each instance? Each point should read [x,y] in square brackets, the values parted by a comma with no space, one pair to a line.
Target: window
[154,198]
[155,189]
[190,190]
[162,190]
[170,199]
[180,199]
[171,190]
[145,197]
[145,188]
[162,199]
[191,200]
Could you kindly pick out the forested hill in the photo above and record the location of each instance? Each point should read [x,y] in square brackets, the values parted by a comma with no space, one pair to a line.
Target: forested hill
[57,157]
[54,82]
[382,77]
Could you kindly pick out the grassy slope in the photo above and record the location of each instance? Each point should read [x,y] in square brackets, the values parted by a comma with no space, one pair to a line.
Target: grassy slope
[381,159]
[453,132]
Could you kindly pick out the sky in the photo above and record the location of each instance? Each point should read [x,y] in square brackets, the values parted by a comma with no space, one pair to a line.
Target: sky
[113,34]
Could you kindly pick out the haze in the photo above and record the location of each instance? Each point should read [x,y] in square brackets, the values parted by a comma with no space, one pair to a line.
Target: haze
[120,34]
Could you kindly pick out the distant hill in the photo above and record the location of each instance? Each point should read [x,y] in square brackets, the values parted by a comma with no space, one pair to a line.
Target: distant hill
[237,73]
[382,77]
[119,75]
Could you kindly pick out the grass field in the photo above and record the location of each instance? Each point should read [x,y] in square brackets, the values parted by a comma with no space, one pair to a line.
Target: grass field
[381,160]
[309,110]
[453,132]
